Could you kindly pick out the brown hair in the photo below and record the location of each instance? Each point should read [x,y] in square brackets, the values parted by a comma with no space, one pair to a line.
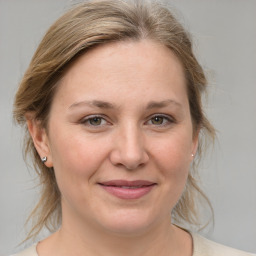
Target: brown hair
[85,26]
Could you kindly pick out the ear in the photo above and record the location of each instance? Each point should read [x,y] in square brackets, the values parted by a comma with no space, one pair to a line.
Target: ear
[40,138]
[195,144]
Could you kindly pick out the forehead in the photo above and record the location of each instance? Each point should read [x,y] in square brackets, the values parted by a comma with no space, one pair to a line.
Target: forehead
[131,68]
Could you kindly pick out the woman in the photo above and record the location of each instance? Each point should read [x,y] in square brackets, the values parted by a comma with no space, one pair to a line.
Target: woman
[112,105]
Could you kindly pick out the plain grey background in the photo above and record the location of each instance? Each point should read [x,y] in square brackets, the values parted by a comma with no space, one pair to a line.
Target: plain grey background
[224,33]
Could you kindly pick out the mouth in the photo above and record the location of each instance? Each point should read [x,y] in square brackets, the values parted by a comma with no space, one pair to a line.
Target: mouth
[124,189]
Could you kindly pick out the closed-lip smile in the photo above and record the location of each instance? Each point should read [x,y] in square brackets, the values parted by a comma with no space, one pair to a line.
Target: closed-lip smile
[125,189]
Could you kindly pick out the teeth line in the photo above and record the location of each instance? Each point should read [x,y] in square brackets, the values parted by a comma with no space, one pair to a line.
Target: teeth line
[131,187]
[127,187]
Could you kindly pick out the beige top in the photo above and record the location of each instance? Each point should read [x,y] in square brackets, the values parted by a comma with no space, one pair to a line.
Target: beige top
[201,247]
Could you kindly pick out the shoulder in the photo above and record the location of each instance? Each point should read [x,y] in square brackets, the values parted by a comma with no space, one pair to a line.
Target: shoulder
[31,251]
[205,247]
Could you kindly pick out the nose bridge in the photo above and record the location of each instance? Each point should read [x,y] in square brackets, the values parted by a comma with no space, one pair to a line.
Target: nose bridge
[132,140]
[130,149]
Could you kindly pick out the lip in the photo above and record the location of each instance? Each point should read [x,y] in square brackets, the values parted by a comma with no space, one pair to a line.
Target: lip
[125,189]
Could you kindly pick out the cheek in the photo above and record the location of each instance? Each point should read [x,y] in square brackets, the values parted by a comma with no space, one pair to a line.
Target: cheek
[73,149]
[175,150]
[75,163]
[173,158]
[75,160]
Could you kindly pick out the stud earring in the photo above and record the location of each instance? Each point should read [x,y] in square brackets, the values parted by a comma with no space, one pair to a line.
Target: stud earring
[192,155]
[44,159]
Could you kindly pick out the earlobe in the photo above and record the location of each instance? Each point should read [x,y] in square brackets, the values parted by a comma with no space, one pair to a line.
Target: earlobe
[40,139]
[195,145]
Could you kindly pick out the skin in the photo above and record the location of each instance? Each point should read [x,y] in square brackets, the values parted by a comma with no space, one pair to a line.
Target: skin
[142,131]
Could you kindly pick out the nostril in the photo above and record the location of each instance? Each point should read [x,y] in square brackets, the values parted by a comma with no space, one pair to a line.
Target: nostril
[129,161]
[129,167]
[129,149]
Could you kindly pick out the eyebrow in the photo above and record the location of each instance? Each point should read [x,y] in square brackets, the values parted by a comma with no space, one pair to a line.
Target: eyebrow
[161,104]
[94,103]
[108,105]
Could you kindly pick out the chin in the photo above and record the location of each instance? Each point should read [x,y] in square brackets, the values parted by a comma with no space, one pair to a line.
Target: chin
[129,222]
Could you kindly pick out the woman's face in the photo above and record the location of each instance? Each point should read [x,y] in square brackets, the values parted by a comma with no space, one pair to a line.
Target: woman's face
[120,137]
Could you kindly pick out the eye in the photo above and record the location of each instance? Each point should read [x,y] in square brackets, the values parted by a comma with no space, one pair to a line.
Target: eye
[94,121]
[157,120]
[160,120]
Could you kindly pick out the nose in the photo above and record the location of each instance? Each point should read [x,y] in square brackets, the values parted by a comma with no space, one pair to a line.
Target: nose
[129,149]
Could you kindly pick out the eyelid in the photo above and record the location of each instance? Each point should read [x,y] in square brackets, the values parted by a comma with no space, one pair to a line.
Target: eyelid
[169,119]
[85,119]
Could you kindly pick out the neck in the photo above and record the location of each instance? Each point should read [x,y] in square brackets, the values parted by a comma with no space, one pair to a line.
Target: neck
[162,240]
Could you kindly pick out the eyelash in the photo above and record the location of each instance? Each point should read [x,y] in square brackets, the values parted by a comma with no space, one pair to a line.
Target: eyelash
[167,120]
[88,119]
